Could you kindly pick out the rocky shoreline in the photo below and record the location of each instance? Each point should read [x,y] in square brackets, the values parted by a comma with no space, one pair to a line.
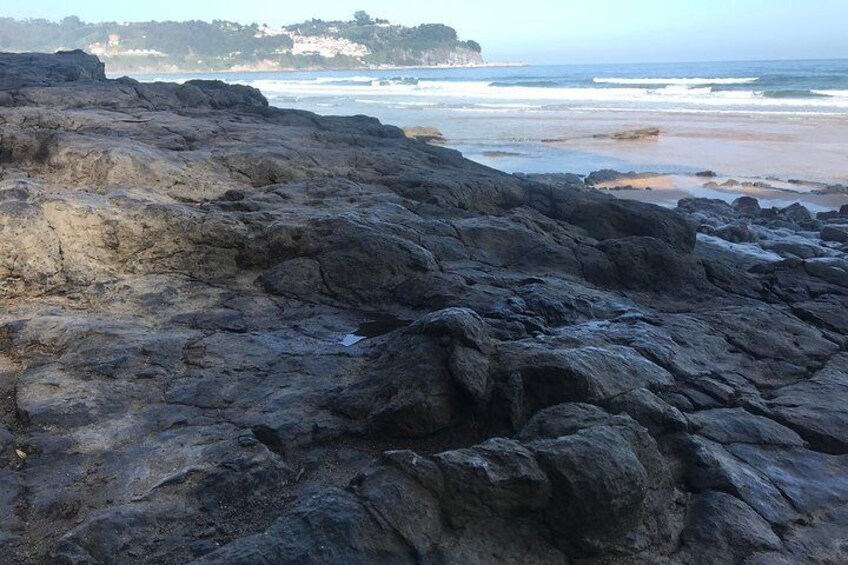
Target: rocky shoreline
[539,372]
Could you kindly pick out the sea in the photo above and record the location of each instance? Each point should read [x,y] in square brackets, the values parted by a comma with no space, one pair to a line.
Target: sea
[543,119]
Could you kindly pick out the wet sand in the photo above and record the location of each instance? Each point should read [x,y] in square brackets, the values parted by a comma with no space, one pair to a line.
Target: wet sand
[749,146]
[771,148]
[668,190]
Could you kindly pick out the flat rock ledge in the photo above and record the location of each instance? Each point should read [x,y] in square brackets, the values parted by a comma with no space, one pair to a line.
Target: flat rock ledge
[236,334]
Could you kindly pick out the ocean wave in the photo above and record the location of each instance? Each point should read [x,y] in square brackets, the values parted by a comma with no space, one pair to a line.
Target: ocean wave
[675,81]
[365,80]
[528,83]
[399,104]
[832,93]
[507,106]
[793,94]
[476,94]
[700,111]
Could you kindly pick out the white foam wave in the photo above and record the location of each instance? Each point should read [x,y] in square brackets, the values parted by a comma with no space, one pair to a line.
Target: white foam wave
[476,93]
[397,104]
[677,81]
[507,106]
[832,93]
[352,80]
[678,90]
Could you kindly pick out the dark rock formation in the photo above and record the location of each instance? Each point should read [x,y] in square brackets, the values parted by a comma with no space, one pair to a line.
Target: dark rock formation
[837,233]
[610,175]
[548,375]
[37,69]
[425,134]
[631,135]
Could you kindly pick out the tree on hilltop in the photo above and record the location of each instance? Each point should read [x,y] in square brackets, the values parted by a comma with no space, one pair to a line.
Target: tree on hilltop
[363,18]
[71,21]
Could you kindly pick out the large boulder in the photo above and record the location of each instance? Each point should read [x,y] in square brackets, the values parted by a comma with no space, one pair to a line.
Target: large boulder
[610,486]
[532,378]
[500,476]
[432,375]
[835,233]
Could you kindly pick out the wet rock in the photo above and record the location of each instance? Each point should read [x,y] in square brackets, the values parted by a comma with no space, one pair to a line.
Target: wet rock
[405,493]
[332,527]
[648,264]
[729,426]
[649,410]
[812,408]
[608,494]
[828,216]
[838,234]
[536,378]
[182,268]
[564,420]
[425,134]
[610,175]
[710,207]
[827,313]
[433,374]
[10,489]
[632,135]
[831,269]
[796,213]
[807,478]
[711,467]
[555,179]
[833,189]
[615,219]
[498,476]
[747,206]
[794,249]
[598,499]
[738,233]
[722,528]
[36,69]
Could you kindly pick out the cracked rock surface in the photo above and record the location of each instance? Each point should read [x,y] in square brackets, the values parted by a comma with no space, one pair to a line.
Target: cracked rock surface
[235,334]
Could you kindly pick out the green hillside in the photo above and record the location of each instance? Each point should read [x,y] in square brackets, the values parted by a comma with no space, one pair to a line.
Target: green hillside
[222,45]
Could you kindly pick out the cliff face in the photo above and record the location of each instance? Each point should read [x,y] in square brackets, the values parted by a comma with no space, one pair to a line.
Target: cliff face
[238,334]
[443,56]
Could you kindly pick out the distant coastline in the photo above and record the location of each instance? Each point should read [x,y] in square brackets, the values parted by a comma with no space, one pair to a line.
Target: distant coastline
[363,43]
[117,71]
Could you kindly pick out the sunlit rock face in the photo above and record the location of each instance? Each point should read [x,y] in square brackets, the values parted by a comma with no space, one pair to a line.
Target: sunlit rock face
[238,334]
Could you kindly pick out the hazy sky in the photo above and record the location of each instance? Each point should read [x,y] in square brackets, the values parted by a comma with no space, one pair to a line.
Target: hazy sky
[537,31]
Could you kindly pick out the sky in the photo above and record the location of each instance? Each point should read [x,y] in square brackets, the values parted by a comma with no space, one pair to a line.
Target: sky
[537,31]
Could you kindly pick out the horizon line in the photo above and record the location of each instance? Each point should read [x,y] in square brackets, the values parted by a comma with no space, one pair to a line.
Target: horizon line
[689,62]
